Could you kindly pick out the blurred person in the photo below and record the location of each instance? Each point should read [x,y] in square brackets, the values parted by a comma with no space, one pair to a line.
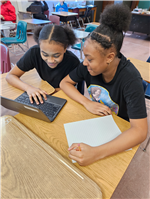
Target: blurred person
[61,6]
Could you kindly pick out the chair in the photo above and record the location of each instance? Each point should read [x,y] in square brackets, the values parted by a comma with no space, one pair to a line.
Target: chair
[20,38]
[145,85]
[76,10]
[47,13]
[87,15]
[54,19]
[147,95]
[5,59]
[89,28]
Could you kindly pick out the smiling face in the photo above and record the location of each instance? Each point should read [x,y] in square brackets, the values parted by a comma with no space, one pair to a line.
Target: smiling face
[96,58]
[52,53]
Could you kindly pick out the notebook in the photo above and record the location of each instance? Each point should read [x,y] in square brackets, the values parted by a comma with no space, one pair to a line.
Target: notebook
[46,111]
[36,9]
[93,132]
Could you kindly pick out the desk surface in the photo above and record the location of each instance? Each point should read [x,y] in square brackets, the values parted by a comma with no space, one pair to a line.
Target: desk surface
[30,77]
[143,67]
[80,34]
[65,14]
[35,21]
[30,168]
[107,172]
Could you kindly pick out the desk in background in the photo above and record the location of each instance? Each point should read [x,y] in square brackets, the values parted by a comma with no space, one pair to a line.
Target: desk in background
[143,67]
[84,8]
[106,172]
[140,23]
[66,16]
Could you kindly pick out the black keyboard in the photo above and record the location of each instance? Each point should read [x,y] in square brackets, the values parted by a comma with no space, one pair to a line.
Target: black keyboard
[49,109]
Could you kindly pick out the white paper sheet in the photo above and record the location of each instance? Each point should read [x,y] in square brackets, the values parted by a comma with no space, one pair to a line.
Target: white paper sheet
[93,132]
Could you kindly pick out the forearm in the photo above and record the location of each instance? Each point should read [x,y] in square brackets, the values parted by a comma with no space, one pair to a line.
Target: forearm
[73,93]
[17,82]
[126,140]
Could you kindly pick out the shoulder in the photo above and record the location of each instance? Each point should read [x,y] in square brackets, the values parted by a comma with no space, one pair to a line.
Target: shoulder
[58,4]
[35,49]
[65,4]
[71,56]
[127,70]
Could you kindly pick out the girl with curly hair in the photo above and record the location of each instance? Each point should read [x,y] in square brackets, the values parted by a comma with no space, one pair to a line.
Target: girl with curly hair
[120,83]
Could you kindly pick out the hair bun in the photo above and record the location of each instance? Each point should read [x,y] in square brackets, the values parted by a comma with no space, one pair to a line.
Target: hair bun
[117,16]
[36,33]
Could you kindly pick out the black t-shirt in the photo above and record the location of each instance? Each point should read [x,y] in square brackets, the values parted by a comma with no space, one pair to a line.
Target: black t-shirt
[32,59]
[124,94]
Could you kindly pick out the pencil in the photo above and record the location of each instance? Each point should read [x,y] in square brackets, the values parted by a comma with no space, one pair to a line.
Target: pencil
[79,147]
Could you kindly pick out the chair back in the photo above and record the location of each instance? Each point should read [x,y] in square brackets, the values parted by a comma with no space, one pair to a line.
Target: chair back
[145,85]
[54,19]
[76,10]
[90,28]
[47,13]
[88,12]
[5,59]
[21,34]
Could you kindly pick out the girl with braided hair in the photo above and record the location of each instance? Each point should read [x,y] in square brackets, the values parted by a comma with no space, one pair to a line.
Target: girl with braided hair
[120,83]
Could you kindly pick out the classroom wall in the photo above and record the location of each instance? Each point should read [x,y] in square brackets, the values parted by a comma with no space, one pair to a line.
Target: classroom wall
[144,4]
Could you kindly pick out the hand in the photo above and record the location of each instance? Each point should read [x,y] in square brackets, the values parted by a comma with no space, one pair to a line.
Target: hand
[1,16]
[36,94]
[97,108]
[86,156]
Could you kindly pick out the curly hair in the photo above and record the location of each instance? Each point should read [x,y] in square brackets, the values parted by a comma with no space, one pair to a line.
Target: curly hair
[62,35]
[113,21]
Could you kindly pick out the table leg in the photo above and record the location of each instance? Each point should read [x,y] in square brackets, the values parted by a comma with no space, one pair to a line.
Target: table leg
[95,9]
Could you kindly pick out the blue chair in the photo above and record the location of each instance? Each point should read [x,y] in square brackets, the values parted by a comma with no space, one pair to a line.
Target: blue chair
[21,35]
[145,85]
[147,93]
[89,28]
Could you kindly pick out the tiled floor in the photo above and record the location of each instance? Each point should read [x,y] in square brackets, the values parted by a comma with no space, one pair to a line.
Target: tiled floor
[135,183]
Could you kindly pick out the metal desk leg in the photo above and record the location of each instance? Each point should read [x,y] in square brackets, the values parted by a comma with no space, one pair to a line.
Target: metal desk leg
[81,49]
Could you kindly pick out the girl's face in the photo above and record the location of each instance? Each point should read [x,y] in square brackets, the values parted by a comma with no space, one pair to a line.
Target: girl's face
[52,53]
[95,59]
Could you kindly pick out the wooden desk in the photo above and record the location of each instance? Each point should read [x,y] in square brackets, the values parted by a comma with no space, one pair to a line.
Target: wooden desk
[30,77]
[143,67]
[36,21]
[66,16]
[30,168]
[107,172]
[84,8]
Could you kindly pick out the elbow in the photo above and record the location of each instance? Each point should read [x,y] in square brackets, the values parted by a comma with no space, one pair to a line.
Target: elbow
[7,77]
[61,84]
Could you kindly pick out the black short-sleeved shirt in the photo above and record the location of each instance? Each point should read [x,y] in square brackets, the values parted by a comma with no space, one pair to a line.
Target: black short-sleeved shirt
[124,94]
[32,59]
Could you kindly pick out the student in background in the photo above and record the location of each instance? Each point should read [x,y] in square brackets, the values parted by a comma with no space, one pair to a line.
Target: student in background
[50,58]
[120,83]
[43,8]
[61,7]
[8,16]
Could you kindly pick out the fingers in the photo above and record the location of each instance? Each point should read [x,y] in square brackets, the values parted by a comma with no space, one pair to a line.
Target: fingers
[37,96]
[73,146]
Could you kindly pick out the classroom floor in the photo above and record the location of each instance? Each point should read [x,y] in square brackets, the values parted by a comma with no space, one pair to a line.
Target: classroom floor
[135,183]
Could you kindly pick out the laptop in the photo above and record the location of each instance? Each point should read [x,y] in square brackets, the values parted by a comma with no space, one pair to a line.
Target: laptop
[36,9]
[46,111]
